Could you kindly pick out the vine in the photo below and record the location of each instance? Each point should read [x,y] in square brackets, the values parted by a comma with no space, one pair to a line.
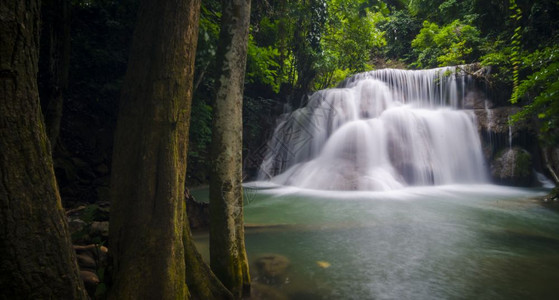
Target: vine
[515,55]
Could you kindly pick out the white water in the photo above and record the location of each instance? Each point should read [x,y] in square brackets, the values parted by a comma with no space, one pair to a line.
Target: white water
[382,130]
[489,116]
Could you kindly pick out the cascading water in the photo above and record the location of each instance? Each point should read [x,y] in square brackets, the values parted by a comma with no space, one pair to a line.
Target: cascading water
[380,130]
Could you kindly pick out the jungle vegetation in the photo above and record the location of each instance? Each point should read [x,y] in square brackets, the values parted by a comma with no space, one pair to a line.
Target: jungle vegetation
[68,57]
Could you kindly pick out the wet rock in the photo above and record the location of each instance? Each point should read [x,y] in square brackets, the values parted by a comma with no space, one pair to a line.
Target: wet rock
[90,280]
[272,268]
[102,211]
[100,229]
[476,99]
[513,167]
[92,261]
[89,223]
[76,225]
[496,120]
[86,261]
[498,135]
[76,212]
[97,252]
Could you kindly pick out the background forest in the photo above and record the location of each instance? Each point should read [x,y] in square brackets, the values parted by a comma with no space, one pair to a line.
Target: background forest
[297,47]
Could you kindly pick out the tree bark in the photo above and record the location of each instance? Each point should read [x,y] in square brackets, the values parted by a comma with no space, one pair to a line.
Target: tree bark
[228,257]
[202,282]
[54,63]
[37,259]
[148,225]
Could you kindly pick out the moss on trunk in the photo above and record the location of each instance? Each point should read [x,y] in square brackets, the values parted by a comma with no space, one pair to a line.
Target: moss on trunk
[153,254]
[37,259]
[228,257]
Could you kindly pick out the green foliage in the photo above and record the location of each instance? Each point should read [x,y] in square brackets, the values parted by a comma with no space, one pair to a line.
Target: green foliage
[204,82]
[200,133]
[451,44]
[542,87]
[443,11]
[263,66]
[400,29]
[497,57]
[89,213]
[515,53]
[351,36]
[208,35]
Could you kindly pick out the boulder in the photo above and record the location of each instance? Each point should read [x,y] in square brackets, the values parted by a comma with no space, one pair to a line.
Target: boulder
[97,252]
[496,120]
[100,229]
[92,261]
[90,280]
[86,262]
[476,99]
[513,167]
[272,268]
[76,225]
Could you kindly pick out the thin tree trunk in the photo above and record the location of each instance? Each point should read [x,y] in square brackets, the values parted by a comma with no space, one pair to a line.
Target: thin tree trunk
[37,259]
[148,228]
[228,257]
[202,282]
[54,63]
[549,163]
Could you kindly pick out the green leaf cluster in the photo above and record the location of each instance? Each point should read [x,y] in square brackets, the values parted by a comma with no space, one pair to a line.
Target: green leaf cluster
[400,28]
[515,16]
[263,65]
[452,44]
[352,36]
[542,89]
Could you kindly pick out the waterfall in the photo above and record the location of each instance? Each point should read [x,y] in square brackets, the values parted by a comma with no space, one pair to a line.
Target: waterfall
[489,116]
[380,130]
[510,135]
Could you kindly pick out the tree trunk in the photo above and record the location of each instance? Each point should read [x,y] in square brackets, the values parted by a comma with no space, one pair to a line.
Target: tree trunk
[148,229]
[37,259]
[202,282]
[54,63]
[228,257]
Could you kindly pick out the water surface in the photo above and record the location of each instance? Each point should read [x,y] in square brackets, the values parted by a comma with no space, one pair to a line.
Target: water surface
[446,242]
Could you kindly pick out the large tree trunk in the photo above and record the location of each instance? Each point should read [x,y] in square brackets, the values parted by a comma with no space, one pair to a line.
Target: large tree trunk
[228,257]
[37,259]
[148,232]
[54,63]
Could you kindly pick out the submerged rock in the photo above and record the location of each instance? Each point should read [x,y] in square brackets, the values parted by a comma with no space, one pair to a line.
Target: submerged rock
[513,167]
[272,268]
[265,292]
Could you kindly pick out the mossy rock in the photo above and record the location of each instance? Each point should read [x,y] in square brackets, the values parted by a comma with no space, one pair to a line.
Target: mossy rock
[513,167]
